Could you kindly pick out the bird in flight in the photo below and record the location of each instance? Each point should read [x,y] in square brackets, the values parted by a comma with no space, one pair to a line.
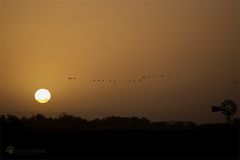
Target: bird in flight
[72,78]
[236,82]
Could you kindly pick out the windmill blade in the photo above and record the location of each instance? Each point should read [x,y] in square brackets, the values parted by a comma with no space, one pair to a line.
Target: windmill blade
[216,109]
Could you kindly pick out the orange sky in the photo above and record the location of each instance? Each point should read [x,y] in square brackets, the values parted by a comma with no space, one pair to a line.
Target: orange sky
[45,42]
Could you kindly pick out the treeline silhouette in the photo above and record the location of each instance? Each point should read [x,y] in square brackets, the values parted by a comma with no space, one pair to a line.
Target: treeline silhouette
[70,122]
[70,137]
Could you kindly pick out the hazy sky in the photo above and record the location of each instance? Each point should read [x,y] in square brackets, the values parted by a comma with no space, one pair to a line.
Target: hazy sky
[43,42]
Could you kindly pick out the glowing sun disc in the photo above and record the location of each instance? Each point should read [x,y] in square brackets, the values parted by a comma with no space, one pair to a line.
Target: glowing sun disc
[42,96]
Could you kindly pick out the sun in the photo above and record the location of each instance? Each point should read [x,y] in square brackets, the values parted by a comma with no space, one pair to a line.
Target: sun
[42,96]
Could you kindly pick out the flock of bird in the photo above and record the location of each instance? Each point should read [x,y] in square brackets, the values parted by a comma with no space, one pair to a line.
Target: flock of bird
[141,79]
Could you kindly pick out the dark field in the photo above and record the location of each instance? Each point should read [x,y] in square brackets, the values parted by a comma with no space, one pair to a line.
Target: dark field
[142,139]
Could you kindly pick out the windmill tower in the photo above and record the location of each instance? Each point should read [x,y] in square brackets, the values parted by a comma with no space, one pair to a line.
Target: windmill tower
[228,108]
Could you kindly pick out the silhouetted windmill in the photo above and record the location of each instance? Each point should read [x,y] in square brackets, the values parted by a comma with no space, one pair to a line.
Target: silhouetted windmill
[228,108]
